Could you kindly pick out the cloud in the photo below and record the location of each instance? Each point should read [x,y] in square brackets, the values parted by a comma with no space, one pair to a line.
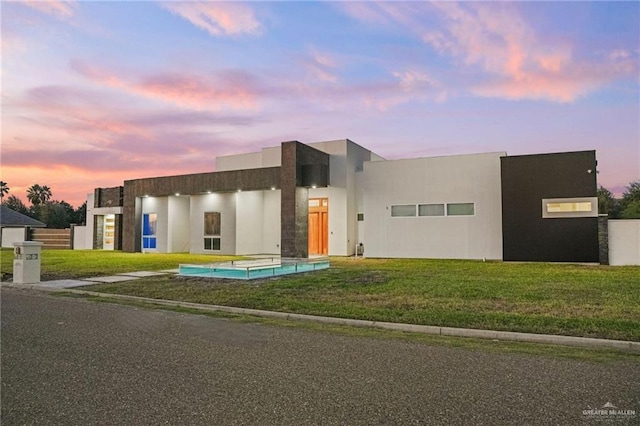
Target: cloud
[495,39]
[229,89]
[63,9]
[321,66]
[218,18]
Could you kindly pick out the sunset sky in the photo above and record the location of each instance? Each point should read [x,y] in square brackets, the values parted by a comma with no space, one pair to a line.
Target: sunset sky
[94,93]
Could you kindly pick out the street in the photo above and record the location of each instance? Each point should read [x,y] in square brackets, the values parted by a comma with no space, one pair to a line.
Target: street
[72,361]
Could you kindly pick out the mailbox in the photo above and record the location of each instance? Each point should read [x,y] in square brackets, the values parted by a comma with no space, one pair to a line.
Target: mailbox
[26,262]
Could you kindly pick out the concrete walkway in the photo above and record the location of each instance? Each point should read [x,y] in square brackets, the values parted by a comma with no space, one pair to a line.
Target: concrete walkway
[69,285]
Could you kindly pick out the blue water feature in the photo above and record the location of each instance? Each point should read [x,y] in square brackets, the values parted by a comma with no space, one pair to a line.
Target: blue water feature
[250,272]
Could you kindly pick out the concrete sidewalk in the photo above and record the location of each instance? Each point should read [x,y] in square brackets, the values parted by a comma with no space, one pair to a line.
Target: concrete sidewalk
[627,346]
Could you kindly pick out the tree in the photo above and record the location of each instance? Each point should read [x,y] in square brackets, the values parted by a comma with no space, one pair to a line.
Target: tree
[4,189]
[630,203]
[607,203]
[38,195]
[15,204]
[56,214]
[80,215]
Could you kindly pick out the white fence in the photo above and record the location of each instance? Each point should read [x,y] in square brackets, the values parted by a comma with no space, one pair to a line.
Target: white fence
[624,242]
[12,235]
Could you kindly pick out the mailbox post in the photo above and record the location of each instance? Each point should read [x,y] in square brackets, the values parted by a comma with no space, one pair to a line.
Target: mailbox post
[26,262]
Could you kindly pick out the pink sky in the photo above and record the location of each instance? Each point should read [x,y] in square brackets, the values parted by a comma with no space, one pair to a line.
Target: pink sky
[95,93]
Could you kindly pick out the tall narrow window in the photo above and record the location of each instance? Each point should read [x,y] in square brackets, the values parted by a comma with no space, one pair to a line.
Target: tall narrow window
[149,229]
[212,227]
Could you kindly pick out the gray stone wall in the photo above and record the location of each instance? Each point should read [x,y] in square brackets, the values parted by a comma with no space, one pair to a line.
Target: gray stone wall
[108,197]
[603,239]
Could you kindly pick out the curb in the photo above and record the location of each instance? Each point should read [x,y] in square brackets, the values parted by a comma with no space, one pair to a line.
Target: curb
[627,346]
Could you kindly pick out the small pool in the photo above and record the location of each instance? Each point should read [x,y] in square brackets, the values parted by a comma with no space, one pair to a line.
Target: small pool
[252,269]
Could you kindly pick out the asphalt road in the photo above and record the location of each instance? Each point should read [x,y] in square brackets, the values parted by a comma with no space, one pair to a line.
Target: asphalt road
[70,361]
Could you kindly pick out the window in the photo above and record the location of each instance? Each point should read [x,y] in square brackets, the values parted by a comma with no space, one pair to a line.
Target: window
[212,223]
[149,227]
[431,210]
[212,230]
[360,217]
[211,243]
[406,210]
[569,207]
[460,209]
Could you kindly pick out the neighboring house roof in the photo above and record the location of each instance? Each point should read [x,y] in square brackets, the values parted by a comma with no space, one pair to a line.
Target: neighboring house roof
[10,217]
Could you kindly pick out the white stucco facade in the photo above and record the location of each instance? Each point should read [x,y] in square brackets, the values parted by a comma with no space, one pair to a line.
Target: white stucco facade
[624,242]
[428,181]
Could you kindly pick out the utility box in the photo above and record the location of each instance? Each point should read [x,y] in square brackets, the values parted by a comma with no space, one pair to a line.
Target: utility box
[26,262]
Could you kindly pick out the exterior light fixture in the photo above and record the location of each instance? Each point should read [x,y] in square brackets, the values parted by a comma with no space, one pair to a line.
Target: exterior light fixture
[208,192]
[146,195]
[273,188]
[313,186]
[239,190]
[177,194]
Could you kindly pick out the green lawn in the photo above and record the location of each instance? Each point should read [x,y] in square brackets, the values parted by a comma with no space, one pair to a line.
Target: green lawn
[578,300]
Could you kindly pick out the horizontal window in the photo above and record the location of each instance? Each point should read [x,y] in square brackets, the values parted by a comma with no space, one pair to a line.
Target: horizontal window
[460,209]
[431,210]
[211,243]
[404,210]
[569,207]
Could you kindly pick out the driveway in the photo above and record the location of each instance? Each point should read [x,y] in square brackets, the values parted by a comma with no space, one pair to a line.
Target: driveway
[71,361]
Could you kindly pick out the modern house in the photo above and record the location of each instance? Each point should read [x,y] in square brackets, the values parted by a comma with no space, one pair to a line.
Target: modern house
[337,197]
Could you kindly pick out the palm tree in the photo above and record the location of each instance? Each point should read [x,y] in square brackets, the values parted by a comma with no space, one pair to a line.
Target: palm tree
[4,190]
[37,194]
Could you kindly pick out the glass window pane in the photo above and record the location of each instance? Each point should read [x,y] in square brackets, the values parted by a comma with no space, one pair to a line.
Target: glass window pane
[460,209]
[405,210]
[152,243]
[149,221]
[207,243]
[216,243]
[568,207]
[212,223]
[314,202]
[431,210]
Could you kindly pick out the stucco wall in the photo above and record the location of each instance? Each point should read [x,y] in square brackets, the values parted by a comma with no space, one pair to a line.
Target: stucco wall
[441,180]
[80,238]
[624,242]
[249,223]
[178,214]
[225,203]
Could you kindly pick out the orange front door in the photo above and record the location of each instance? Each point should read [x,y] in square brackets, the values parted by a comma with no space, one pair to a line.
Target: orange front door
[318,226]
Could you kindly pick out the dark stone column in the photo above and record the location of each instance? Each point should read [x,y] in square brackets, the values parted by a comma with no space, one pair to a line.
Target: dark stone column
[117,241]
[292,244]
[301,167]
[98,232]
[129,218]
[603,238]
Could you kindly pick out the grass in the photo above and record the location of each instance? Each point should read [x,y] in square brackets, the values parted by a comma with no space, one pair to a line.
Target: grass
[575,300]
[70,264]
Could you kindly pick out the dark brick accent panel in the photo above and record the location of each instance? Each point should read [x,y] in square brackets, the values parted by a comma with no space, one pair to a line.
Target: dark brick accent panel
[117,241]
[526,180]
[108,197]
[603,238]
[301,167]
[98,232]
[194,184]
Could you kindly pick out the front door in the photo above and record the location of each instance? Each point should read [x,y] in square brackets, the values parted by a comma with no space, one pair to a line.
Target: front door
[318,226]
